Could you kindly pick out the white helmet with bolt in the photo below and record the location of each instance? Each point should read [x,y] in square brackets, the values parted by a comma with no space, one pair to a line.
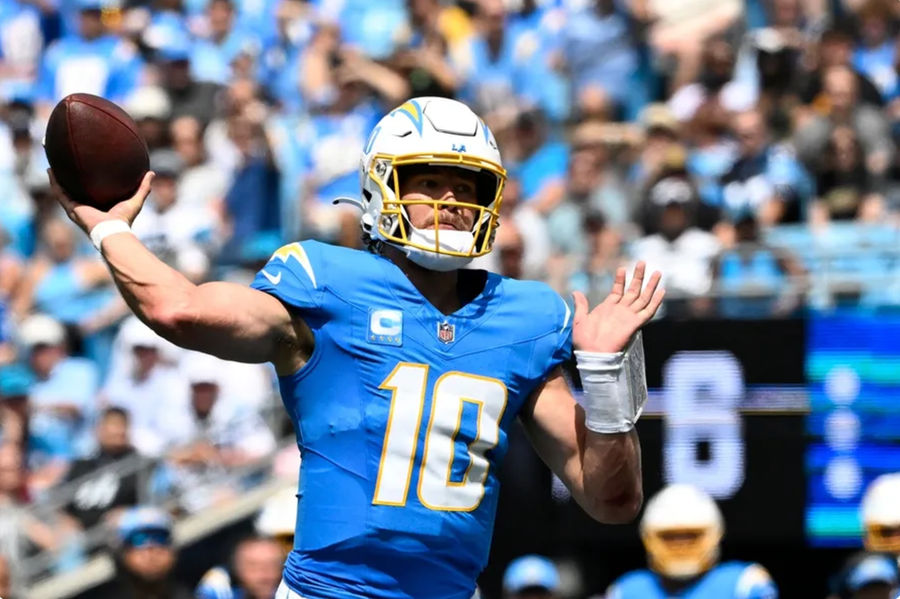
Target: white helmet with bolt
[436,132]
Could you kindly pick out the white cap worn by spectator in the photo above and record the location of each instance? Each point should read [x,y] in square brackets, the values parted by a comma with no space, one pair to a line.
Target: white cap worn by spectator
[148,102]
[202,368]
[40,329]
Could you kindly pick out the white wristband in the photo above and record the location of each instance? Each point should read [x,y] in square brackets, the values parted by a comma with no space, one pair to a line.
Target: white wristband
[106,228]
[615,387]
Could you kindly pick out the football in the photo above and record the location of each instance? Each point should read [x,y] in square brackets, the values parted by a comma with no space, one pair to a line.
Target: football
[94,148]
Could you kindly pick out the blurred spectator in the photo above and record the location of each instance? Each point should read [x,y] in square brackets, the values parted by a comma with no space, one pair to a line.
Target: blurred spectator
[46,456]
[423,58]
[15,383]
[349,93]
[540,163]
[146,386]
[875,55]
[592,185]
[150,108]
[21,44]
[835,49]
[256,177]
[711,154]
[679,33]
[180,234]
[510,63]
[755,280]
[600,58]
[844,187]
[660,146]
[21,533]
[766,179]
[11,269]
[279,63]
[529,227]
[681,251]
[100,494]
[531,577]
[255,572]
[681,530]
[214,57]
[91,61]
[510,248]
[187,96]
[867,576]
[592,273]
[201,185]
[881,514]
[715,83]
[145,558]
[62,396]
[71,287]
[212,435]
[840,88]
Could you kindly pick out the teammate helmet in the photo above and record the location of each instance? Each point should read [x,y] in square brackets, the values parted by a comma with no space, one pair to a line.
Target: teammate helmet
[681,530]
[881,514]
[438,132]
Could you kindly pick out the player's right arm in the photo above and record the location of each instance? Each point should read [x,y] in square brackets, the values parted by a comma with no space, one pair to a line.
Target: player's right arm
[227,320]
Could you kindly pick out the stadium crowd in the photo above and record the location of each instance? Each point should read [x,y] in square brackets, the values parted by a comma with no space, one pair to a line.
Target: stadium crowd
[745,149]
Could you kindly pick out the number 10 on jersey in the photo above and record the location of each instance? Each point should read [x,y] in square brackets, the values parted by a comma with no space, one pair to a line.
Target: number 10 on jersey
[449,396]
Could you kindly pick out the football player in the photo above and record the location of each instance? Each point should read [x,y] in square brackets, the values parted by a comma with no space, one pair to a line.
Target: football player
[681,530]
[881,515]
[403,372]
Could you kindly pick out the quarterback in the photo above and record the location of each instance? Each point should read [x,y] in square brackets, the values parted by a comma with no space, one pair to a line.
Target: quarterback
[403,372]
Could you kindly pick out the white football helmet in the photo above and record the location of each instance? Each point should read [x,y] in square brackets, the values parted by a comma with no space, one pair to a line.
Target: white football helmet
[430,131]
[681,530]
[881,514]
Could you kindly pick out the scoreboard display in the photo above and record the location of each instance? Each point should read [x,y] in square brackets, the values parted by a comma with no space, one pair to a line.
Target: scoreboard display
[853,369]
[784,422]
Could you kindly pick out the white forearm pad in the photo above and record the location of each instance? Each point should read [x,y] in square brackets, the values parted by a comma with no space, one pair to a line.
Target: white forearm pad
[615,387]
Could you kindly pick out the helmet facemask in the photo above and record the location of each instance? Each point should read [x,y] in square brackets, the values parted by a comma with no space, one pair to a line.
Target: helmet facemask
[883,538]
[682,553]
[435,248]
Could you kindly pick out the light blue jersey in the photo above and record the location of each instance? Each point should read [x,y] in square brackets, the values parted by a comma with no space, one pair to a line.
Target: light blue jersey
[402,416]
[730,580]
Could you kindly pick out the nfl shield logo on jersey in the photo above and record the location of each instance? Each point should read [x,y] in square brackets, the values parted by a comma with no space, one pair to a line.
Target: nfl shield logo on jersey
[446,332]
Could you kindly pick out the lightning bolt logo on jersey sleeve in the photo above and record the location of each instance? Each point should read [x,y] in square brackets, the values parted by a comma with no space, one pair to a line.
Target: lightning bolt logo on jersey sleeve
[290,276]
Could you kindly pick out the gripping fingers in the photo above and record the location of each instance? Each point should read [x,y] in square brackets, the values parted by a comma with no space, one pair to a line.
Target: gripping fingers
[137,200]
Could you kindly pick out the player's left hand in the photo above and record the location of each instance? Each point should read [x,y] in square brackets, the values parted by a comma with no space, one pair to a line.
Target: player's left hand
[611,325]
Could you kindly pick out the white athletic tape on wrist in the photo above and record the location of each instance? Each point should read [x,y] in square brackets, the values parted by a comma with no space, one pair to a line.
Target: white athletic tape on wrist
[106,228]
[615,387]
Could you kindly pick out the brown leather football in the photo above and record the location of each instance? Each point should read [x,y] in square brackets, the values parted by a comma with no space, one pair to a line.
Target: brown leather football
[94,148]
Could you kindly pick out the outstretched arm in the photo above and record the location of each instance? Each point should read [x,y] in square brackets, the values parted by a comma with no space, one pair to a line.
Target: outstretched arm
[602,471]
[228,320]
[596,452]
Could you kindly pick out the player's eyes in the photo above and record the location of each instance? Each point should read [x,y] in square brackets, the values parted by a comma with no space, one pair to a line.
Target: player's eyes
[464,189]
